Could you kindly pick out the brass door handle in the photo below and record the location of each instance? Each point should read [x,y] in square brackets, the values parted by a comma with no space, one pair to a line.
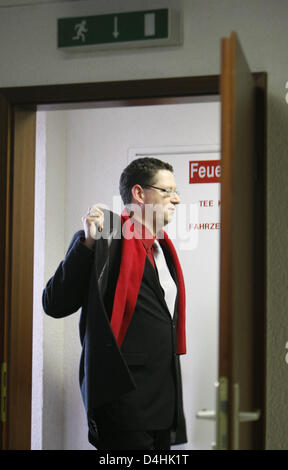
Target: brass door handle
[221,415]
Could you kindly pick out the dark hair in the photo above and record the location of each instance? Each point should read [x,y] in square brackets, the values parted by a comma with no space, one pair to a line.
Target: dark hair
[141,171]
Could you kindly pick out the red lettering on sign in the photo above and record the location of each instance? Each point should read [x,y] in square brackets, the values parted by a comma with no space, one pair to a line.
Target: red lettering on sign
[206,171]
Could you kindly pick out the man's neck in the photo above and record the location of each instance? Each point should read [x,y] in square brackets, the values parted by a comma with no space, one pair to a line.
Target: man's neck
[139,217]
[143,227]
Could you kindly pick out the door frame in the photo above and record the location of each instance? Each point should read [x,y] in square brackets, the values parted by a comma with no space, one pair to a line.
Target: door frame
[18,108]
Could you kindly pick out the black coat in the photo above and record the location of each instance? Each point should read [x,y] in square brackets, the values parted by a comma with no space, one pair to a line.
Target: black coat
[137,386]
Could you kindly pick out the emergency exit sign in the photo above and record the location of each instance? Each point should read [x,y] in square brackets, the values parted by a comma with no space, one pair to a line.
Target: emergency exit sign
[131,29]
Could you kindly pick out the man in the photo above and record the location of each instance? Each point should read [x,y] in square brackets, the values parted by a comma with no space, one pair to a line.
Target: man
[125,275]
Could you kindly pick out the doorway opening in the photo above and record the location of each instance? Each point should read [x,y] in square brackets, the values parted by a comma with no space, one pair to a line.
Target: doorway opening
[80,154]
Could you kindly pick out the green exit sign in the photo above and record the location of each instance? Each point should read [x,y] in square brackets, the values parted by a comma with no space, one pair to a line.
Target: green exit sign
[130,29]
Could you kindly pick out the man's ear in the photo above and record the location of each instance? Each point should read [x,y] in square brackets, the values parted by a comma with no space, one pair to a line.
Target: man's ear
[138,194]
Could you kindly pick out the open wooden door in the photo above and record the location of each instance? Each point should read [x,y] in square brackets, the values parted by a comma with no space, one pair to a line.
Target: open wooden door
[241,374]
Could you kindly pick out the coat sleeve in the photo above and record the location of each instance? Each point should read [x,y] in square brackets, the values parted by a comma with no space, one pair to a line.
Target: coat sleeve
[65,292]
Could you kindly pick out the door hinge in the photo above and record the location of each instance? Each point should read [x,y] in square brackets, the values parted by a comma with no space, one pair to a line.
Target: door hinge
[3,391]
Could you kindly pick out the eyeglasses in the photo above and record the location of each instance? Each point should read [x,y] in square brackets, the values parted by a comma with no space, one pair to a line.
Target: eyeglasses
[167,192]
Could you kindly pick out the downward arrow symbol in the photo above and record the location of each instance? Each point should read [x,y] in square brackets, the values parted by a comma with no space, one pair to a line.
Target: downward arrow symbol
[116,32]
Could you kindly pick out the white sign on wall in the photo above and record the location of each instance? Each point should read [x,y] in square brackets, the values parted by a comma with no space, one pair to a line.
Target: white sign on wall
[195,232]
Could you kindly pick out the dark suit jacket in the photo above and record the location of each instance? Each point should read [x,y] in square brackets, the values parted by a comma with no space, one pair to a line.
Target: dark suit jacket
[137,386]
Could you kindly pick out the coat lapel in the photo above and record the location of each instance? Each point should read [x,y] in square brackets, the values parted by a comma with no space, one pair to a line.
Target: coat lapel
[112,225]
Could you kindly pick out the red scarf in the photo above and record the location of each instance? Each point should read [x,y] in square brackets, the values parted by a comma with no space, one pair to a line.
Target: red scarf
[133,261]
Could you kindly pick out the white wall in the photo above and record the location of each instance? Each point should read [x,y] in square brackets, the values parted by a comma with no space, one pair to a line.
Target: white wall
[48,347]
[28,56]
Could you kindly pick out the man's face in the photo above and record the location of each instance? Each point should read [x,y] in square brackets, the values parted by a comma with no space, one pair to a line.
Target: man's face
[163,203]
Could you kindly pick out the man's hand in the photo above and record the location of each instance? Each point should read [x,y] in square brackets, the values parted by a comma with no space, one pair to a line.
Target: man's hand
[91,221]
